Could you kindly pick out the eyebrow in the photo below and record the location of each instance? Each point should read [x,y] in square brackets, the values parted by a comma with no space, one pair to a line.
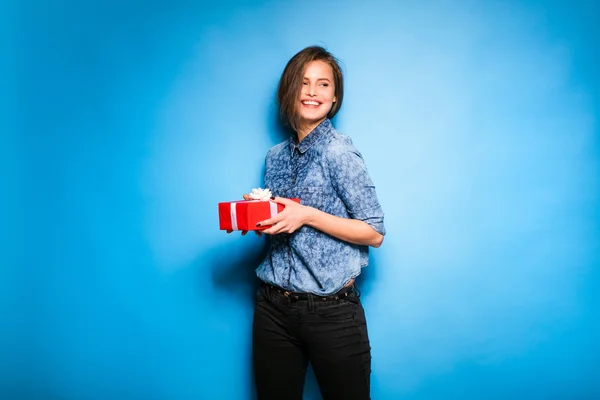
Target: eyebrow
[318,79]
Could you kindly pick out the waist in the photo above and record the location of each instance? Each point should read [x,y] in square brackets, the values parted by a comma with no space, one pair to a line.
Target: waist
[347,290]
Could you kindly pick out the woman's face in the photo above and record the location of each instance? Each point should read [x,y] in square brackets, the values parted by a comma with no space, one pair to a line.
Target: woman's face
[317,95]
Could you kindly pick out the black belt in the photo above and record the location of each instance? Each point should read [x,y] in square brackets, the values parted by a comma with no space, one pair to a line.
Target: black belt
[297,296]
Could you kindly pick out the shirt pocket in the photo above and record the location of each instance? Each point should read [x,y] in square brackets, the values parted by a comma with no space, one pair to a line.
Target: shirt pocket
[309,196]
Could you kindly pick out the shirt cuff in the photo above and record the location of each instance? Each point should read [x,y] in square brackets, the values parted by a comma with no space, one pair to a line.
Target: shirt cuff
[374,221]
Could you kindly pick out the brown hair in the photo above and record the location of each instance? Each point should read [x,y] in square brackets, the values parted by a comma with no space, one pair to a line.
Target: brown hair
[290,84]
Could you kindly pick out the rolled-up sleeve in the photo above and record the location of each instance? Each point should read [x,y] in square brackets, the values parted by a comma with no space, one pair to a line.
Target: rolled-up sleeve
[350,179]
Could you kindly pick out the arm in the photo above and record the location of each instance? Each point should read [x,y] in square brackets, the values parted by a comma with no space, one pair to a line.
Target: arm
[295,216]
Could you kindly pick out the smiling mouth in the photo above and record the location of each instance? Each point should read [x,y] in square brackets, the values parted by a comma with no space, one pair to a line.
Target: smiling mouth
[311,103]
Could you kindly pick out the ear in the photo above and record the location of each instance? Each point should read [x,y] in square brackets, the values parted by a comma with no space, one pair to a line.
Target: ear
[334,99]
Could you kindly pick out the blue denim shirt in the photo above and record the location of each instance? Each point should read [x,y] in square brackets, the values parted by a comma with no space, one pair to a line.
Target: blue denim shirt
[326,172]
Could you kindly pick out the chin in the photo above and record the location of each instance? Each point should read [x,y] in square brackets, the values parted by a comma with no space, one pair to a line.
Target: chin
[311,119]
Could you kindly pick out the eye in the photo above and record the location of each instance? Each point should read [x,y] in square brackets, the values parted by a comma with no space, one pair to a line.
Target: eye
[325,84]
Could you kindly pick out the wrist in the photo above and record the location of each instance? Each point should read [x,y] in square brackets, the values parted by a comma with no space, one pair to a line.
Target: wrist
[310,216]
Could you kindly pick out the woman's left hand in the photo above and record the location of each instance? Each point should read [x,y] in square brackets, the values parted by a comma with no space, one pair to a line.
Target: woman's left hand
[291,219]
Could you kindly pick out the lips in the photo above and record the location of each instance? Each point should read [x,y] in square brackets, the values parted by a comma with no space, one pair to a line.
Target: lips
[311,103]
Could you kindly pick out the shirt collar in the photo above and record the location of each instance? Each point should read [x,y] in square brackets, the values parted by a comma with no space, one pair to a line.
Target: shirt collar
[312,138]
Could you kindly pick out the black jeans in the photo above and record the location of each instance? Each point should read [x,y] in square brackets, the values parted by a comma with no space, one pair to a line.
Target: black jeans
[331,334]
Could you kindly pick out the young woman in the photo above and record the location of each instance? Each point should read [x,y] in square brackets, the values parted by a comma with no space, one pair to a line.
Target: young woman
[307,308]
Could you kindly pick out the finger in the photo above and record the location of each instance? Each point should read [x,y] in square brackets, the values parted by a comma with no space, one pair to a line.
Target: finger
[229,231]
[270,231]
[282,200]
[270,221]
[275,229]
[246,197]
[244,233]
[258,233]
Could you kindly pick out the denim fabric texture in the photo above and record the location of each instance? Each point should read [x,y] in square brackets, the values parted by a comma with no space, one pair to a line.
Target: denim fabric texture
[326,172]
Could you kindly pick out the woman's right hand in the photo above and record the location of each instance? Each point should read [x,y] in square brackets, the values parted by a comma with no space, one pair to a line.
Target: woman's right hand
[258,233]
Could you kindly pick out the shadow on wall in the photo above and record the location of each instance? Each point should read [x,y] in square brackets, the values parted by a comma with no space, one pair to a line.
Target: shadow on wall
[232,267]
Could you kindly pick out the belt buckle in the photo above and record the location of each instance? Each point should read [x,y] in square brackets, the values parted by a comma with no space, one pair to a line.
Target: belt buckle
[286,293]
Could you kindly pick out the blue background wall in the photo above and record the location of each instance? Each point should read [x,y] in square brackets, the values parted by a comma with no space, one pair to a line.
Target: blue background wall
[124,123]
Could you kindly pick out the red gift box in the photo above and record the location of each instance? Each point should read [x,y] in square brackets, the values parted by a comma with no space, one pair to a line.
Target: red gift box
[243,215]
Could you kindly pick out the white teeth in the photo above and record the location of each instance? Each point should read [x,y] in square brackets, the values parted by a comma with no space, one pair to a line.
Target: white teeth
[309,102]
